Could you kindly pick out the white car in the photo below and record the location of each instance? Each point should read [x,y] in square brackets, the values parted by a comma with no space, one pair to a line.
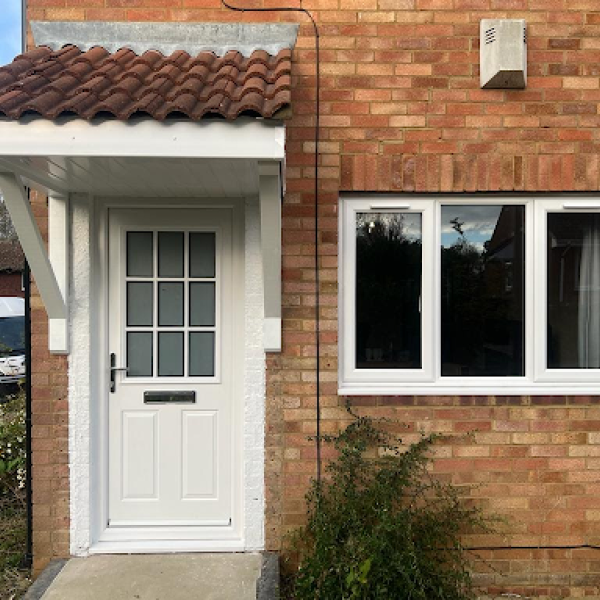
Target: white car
[12,340]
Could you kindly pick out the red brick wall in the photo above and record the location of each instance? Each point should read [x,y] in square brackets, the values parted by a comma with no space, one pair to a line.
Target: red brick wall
[50,444]
[11,284]
[402,111]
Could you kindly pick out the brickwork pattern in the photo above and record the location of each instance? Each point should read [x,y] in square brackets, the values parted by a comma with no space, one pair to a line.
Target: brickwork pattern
[50,444]
[402,111]
[11,284]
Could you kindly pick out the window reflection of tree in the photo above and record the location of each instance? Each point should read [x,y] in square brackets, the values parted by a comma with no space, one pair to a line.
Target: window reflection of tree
[482,301]
[388,291]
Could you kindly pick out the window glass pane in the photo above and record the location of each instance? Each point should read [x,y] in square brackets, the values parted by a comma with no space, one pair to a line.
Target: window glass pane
[139,354]
[170,304]
[202,304]
[202,254]
[388,290]
[483,299]
[139,254]
[170,254]
[139,304]
[170,354]
[573,291]
[202,354]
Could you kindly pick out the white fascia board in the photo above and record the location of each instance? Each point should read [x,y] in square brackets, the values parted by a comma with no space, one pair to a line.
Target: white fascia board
[248,138]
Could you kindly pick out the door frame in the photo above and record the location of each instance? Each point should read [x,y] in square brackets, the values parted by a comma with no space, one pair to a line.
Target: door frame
[103,539]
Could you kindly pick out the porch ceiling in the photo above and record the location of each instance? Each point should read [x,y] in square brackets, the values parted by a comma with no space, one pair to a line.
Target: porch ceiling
[135,176]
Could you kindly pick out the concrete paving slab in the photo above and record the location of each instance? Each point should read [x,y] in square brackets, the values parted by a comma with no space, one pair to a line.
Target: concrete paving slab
[158,577]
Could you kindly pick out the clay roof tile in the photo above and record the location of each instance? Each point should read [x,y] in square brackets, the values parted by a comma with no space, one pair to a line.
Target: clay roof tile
[123,83]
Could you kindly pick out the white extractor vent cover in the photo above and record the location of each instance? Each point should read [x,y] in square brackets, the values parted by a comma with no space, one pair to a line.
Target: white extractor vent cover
[503,53]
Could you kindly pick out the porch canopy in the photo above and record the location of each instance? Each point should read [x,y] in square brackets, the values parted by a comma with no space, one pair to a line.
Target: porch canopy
[144,110]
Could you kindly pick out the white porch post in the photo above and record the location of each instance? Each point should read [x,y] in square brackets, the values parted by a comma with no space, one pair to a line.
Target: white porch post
[33,246]
[58,251]
[270,238]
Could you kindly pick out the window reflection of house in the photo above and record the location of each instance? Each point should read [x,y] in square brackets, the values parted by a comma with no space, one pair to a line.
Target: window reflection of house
[483,303]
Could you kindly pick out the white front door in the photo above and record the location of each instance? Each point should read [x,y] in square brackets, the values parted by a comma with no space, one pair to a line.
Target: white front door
[173,443]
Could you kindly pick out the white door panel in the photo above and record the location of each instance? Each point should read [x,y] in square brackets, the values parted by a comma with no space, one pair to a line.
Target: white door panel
[172,451]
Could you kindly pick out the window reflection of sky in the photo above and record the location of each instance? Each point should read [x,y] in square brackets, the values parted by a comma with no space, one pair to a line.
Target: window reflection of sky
[411,222]
[477,223]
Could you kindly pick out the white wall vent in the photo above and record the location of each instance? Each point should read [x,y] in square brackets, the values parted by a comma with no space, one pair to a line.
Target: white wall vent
[503,53]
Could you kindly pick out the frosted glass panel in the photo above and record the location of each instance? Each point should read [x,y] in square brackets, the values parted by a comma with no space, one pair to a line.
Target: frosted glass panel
[202,304]
[202,254]
[139,354]
[140,303]
[202,354]
[170,254]
[139,254]
[170,304]
[170,354]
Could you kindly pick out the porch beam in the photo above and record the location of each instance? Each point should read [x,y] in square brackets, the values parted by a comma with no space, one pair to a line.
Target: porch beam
[270,238]
[17,202]
[143,138]
[33,177]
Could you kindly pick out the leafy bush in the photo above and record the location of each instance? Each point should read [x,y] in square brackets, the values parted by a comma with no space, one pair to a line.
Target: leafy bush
[14,580]
[12,446]
[380,527]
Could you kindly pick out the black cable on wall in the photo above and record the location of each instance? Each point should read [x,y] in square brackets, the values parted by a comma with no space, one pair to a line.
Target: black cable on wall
[316,201]
[28,413]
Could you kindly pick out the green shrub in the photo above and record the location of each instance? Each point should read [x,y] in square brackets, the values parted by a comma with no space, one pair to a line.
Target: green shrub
[380,527]
[12,447]
[14,579]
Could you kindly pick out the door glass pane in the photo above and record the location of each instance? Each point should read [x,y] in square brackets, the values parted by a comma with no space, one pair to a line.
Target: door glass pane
[202,354]
[139,254]
[202,254]
[139,354]
[170,354]
[573,290]
[170,304]
[388,290]
[483,298]
[202,304]
[170,254]
[140,304]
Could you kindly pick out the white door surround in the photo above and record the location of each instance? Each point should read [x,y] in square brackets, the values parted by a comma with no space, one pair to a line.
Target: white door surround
[88,376]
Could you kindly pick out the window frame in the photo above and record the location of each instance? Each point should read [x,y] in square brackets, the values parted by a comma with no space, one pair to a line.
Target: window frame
[536,380]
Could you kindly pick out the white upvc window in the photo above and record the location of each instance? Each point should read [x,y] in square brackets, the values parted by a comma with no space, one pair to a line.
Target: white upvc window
[469,295]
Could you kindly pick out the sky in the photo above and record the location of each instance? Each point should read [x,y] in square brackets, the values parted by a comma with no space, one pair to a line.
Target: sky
[10,30]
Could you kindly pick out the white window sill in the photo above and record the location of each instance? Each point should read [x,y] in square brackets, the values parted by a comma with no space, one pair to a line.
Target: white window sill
[464,390]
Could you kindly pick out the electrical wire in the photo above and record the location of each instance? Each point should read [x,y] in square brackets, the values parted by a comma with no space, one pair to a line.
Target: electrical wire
[304,11]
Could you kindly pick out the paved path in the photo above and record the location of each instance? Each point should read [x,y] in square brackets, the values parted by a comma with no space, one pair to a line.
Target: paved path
[158,577]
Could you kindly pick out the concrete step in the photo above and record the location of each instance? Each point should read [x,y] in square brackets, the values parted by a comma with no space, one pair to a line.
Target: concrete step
[228,576]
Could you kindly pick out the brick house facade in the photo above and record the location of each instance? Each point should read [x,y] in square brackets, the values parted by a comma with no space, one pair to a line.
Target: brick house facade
[402,112]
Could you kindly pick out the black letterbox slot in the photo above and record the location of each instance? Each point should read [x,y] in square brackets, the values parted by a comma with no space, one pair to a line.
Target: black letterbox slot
[169,397]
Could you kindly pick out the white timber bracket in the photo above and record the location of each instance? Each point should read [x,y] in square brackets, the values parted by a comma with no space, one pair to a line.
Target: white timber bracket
[269,174]
[47,281]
